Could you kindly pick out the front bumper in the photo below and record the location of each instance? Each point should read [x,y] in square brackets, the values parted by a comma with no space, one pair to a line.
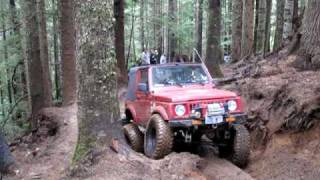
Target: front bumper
[185,123]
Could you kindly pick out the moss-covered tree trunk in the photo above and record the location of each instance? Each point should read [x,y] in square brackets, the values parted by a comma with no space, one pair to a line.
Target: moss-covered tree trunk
[97,80]
[214,52]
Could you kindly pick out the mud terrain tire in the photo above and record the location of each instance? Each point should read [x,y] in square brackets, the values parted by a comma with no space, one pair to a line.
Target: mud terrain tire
[238,150]
[158,140]
[133,136]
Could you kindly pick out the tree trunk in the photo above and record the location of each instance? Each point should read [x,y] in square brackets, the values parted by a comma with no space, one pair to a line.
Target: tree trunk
[97,80]
[261,26]
[214,53]
[279,26]
[142,38]
[57,68]
[236,30]
[158,26]
[6,56]
[295,16]
[288,19]
[33,61]
[266,43]
[20,82]
[47,85]
[67,30]
[256,23]
[171,29]
[119,38]
[198,16]
[310,33]
[247,29]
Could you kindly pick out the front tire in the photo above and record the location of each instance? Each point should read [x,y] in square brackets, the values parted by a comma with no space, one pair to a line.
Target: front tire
[238,150]
[133,136]
[158,140]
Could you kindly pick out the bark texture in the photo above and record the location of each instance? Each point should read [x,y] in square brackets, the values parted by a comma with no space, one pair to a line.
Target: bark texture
[247,29]
[33,61]
[142,27]
[267,32]
[261,26]
[279,24]
[158,26]
[46,80]
[198,27]
[236,30]
[214,52]
[68,63]
[119,36]
[310,33]
[56,60]
[288,19]
[172,44]
[97,93]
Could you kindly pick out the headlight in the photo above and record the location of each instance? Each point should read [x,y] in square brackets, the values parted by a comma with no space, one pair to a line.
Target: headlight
[232,105]
[180,110]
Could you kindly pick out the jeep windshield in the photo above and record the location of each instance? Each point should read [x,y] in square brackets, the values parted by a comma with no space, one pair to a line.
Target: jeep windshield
[179,75]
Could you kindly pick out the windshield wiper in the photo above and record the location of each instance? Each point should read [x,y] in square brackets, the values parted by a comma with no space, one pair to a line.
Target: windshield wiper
[166,82]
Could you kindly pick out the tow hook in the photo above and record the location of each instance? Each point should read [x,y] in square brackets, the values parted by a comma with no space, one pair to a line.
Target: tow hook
[187,136]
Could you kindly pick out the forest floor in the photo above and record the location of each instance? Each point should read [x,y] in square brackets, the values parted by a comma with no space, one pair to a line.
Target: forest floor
[283,104]
[47,153]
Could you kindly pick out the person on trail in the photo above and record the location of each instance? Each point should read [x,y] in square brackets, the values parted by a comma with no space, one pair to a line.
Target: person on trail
[145,57]
[153,57]
[163,59]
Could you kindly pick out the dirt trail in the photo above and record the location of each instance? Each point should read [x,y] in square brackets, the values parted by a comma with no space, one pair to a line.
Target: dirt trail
[50,158]
[175,166]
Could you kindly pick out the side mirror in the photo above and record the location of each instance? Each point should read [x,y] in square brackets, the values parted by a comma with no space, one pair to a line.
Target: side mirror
[143,87]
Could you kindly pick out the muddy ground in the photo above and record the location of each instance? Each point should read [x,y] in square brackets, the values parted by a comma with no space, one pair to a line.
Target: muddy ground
[283,104]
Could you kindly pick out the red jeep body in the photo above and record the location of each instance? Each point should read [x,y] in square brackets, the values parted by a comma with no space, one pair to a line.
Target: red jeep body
[174,104]
[141,104]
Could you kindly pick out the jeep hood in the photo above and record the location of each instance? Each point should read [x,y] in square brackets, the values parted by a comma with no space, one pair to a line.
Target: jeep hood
[180,95]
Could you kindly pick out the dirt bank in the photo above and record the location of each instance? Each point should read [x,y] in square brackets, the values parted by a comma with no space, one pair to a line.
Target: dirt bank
[283,104]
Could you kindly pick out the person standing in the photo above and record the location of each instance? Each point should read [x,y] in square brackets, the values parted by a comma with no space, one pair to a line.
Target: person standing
[145,57]
[153,57]
[163,59]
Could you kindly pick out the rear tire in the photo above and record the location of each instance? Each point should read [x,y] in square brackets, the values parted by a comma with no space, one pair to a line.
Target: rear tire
[133,136]
[238,150]
[158,140]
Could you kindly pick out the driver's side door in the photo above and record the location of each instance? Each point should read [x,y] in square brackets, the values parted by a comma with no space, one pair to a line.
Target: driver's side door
[143,97]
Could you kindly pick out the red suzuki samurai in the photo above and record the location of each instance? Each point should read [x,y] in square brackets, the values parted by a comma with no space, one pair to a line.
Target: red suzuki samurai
[173,102]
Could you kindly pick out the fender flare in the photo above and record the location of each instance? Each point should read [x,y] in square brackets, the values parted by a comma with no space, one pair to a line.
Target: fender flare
[132,111]
[162,112]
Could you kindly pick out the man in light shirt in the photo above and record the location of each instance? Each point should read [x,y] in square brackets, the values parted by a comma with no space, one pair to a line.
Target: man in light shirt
[145,57]
[163,59]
